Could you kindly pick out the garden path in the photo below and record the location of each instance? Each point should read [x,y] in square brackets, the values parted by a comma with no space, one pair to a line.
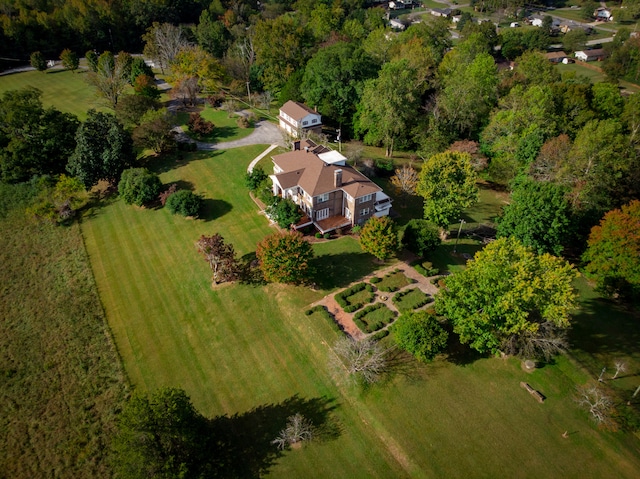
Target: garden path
[345,320]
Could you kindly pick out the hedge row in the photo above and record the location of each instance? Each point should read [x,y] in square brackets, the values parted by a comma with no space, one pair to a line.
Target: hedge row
[407,305]
[391,284]
[425,269]
[342,298]
[324,313]
[370,319]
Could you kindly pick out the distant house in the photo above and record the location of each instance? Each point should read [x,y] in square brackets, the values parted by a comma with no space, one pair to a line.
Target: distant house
[603,14]
[591,55]
[296,119]
[395,23]
[514,25]
[536,21]
[331,193]
[441,12]
[556,57]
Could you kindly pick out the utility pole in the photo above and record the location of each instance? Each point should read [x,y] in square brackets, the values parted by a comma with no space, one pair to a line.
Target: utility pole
[455,247]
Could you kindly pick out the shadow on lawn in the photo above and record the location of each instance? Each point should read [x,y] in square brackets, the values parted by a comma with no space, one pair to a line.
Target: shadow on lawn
[339,270]
[605,327]
[243,442]
[214,209]
[177,159]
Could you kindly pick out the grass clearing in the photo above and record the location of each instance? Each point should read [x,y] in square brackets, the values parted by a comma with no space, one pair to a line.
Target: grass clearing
[226,129]
[249,351]
[61,382]
[393,281]
[61,89]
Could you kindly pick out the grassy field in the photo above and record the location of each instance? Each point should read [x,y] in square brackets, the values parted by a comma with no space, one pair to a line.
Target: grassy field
[226,129]
[249,351]
[65,91]
[61,382]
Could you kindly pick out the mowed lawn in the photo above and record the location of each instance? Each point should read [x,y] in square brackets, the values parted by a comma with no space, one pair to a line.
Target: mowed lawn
[62,89]
[246,349]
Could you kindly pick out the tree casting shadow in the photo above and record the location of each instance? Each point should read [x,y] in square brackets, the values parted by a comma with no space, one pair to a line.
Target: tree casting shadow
[339,270]
[243,442]
[212,209]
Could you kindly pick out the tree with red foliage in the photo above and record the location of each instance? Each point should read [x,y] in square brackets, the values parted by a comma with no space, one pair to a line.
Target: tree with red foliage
[220,256]
[285,257]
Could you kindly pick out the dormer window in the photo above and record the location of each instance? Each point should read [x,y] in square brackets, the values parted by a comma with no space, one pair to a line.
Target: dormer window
[305,122]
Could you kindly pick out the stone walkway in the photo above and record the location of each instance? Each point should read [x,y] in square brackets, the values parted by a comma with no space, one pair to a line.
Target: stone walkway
[345,320]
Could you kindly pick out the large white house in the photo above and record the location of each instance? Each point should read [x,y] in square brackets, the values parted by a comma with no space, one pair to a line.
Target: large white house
[331,193]
[297,119]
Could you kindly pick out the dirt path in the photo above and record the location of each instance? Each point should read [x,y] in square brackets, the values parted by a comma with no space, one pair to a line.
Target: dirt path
[345,320]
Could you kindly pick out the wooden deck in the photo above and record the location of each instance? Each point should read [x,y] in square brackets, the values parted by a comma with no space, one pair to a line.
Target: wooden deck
[332,223]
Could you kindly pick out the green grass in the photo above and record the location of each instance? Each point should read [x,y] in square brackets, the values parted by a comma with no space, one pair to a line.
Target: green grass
[580,70]
[250,350]
[393,281]
[226,129]
[411,299]
[61,380]
[66,91]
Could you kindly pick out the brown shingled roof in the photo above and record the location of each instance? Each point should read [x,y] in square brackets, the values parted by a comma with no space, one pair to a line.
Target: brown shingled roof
[316,177]
[296,110]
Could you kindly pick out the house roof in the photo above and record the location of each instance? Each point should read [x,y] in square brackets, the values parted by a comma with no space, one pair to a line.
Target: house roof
[554,55]
[596,52]
[296,110]
[307,170]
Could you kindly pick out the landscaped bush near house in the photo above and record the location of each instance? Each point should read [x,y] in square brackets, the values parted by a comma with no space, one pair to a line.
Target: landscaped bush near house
[326,315]
[411,299]
[380,334]
[318,235]
[327,236]
[353,298]
[138,186]
[185,203]
[375,280]
[163,196]
[254,178]
[374,317]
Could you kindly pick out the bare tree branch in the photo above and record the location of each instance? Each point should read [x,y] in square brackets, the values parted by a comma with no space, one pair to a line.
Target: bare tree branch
[298,429]
[600,405]
[364,359]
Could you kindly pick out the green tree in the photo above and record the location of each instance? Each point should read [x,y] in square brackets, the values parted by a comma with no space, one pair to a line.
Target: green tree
[212,35]
[533,68]
[420,334]
[221,257]
[613,251]
[139,186]
[285,258]
[284,212]
[192,62]
[421,237]
[160,435]
[607,101]
[131,108]
[574,40]
[448,185]
[389,104]
[139,67]
[33,140]
[507,291]
[379,237]
[38,62]
[145,85]
[111,77]
[92,60]
[334,78]
[103,150]
[538,216]
[69,60]
[184,203]
[154,132]
[254,178]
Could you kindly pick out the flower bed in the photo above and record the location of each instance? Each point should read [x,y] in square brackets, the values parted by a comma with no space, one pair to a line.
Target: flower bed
[374,317]
[353,298]
[411,299]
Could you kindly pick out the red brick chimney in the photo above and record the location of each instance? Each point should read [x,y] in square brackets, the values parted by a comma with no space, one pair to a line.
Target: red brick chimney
[337,178]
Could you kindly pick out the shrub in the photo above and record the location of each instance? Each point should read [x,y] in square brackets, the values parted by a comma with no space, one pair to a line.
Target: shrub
[420,334]
[421,237]
[327,236]
[166,193]
[342,298]
[284,212]
[375,280]
[200,126]
[380,334]
[255,178]
[411,299]
[243,122]
[138,186]
[185,203]
[318,235]
[356,229]
[374,317]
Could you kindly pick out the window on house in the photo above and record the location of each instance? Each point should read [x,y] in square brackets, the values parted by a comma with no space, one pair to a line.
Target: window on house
[314,120]
[305,122]
[364,211]
[364,199]
[323,198]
